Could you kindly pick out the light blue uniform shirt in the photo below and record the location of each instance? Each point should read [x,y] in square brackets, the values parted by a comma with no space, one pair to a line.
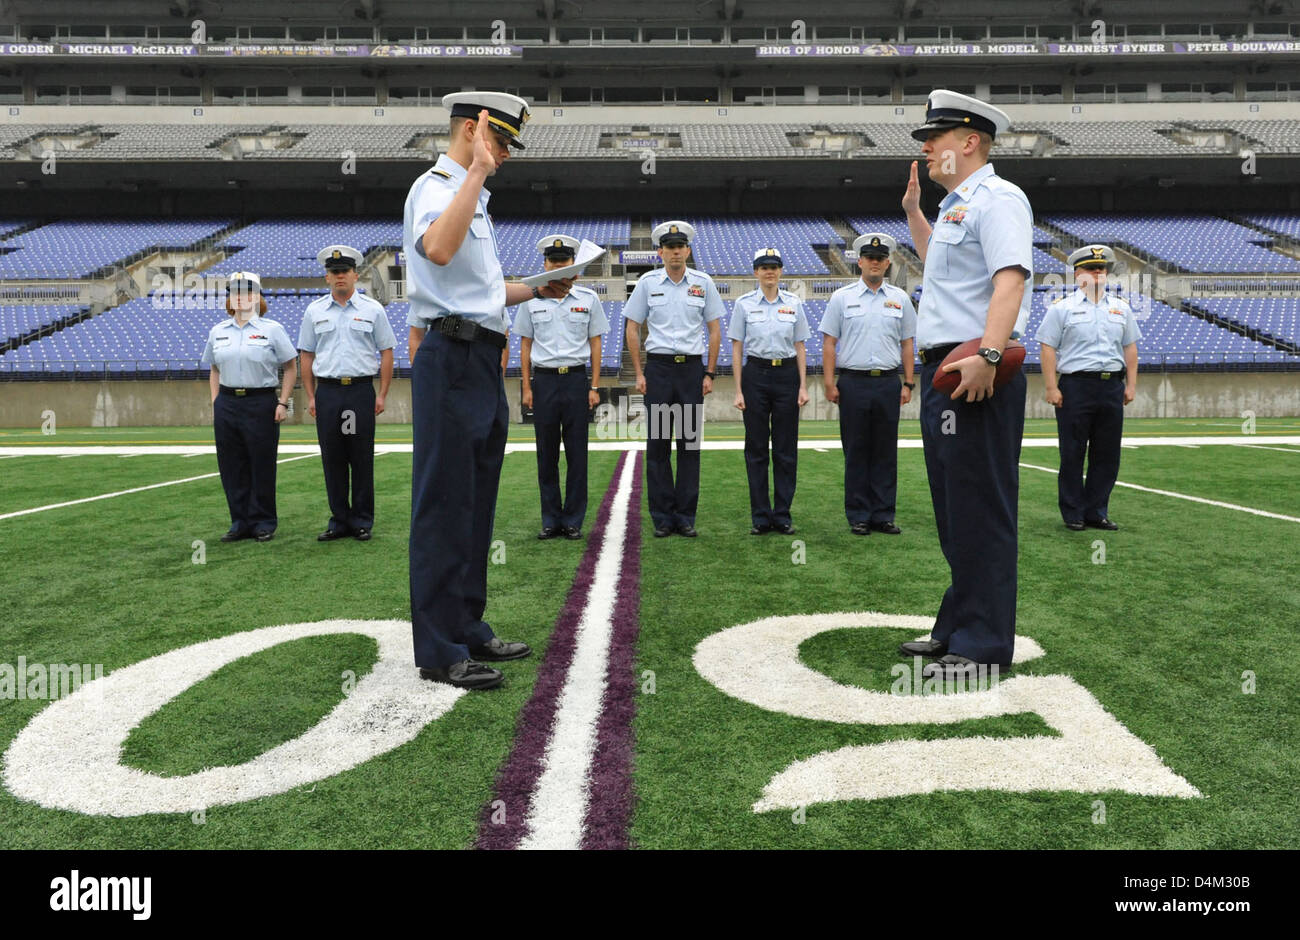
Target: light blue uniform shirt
[248,357]
[768,328]
[561,330]
[869,326]
[674,313]
[471,283]
[984,225]
[1089,337]
[346,339]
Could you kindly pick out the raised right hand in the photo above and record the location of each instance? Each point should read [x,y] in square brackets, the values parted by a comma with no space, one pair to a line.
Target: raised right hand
[484,155]
[912,195]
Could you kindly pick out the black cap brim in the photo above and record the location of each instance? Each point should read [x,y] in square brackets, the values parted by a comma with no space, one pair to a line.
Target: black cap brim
[925,130]
[673,241]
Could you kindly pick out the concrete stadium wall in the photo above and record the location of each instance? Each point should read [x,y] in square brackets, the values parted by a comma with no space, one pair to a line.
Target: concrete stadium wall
[156,404]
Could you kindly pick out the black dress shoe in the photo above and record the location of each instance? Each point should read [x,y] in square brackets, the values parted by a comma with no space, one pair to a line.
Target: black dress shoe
[1074,525]
[760,529]
[860,528]
[548,532]
[465,675]
[785,528]
[687,530]
[361,535]
[263,536]
[236,535]
[572,532]
[497,650]
[663,531]
[330,535]
[923,648]
[886,527]
[1102,523]
[958,668]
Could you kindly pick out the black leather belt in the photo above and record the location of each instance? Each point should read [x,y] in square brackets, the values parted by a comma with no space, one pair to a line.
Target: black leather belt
[346,380]
[457,327]
[770,363]
[241,392]
[874,373]
[1104,376]
[678,358]
[936,353]
[559,370]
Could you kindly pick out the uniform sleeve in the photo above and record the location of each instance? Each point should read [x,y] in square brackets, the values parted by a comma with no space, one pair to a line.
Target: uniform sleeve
[431,200]
[1006,233]
[713,309]
[1050,330]
[415,320]
[1132,333]
[284,348]
[831,318]
[736,327]
[909,318]
[206,358]
[801,330]
[307,333]
[524,321]
[599,323]
[384,338]
[636,309]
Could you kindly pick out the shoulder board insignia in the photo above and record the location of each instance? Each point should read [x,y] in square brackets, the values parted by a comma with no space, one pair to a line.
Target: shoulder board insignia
[443,173]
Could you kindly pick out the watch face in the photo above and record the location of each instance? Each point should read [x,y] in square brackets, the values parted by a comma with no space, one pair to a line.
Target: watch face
[992,356]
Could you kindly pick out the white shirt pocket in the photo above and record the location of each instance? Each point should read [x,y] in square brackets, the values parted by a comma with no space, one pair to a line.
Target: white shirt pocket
[323,325]
[362,325]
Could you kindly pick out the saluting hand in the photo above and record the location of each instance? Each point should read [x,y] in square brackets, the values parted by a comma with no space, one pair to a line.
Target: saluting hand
[912,195]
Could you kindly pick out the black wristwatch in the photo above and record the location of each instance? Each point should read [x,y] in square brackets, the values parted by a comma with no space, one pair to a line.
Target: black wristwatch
[282,404]
[990,355]
[537,293]
[909,385]
[710,375]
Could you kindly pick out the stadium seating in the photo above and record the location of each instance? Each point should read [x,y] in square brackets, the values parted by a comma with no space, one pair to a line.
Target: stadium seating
[73,249]
[18,320]
[1197,242]
[1274,317]
[725,245]
[287,247]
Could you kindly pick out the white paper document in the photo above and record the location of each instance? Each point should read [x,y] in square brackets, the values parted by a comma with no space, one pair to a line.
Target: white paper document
[587,253]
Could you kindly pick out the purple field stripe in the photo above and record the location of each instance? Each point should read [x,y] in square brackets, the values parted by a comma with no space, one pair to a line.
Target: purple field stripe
[518,776]
[609,810]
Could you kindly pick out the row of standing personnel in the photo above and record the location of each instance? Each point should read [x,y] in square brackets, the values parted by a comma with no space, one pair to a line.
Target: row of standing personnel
[978,276]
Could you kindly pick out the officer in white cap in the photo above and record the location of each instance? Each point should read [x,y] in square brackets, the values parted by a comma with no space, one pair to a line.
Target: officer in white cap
[674,302]
[1090,337]
[457,320]
[768,333]
[558,336]
[978,284]
[869,329]
[345,337]
[245,352]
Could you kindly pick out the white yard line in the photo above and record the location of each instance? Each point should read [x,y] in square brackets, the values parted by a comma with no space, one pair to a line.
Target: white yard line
[1191,499]
[137,489]
[1285,450]
[515,447]
[560,796]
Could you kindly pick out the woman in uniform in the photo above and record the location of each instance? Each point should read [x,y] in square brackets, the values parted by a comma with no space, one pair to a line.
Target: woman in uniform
[770,327]
[245,354]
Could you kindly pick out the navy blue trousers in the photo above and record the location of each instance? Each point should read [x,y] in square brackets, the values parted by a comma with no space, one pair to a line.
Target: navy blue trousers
[460,417]
[972,457]
[869,408]
[247,440]
[560,413]
[347,449]
[674,400]
[1089,422]
[771,411]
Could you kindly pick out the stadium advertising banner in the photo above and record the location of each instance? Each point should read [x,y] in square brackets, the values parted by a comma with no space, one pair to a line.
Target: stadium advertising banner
[486,50]
[1156,47]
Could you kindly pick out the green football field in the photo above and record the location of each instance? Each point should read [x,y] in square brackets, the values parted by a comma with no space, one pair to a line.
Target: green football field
[1178,625]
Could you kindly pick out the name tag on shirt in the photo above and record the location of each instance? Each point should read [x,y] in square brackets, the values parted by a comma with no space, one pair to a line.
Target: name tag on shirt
[220,342]
[542,316]
[755,316]
[323,325]
[852,310]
